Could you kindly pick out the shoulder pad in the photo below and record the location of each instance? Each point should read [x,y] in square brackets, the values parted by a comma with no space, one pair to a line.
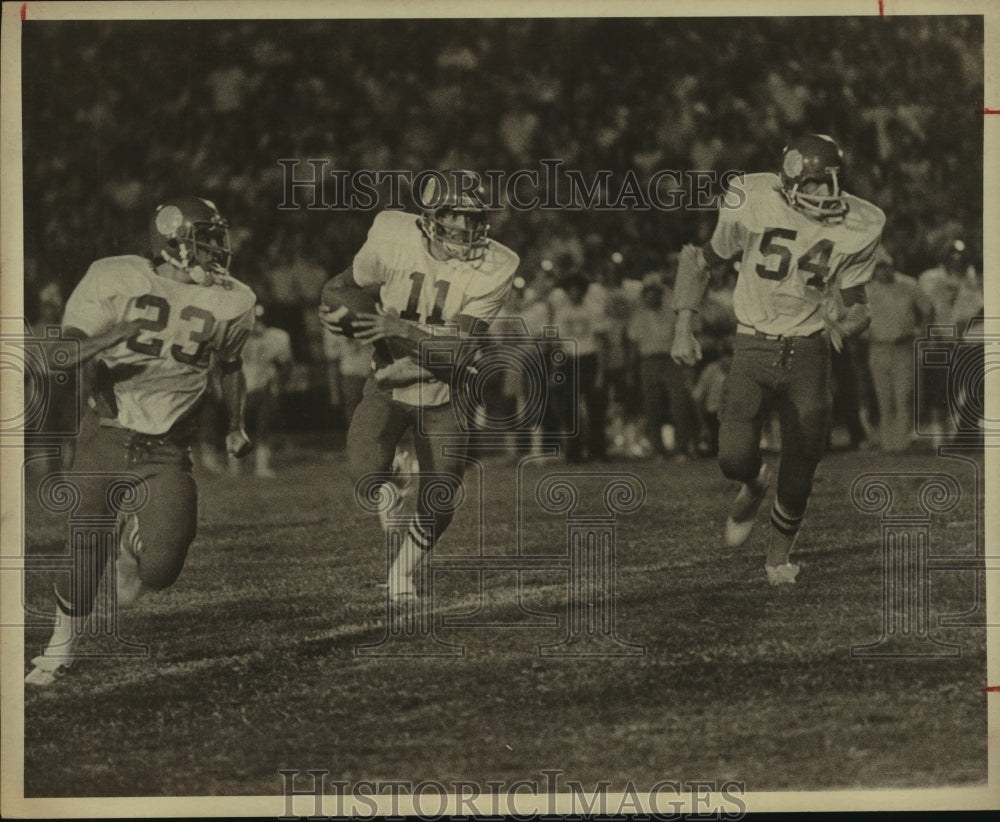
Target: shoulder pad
[501,261]
[392,227]
[865,216]
[761,184]
[762,200]
[236,295]
[129,275]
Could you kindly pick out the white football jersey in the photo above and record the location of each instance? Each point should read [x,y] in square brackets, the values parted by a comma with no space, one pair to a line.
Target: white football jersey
[160,372]
[431,292]
[790,264]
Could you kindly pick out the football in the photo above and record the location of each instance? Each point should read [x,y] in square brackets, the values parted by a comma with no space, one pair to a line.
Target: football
[355,300]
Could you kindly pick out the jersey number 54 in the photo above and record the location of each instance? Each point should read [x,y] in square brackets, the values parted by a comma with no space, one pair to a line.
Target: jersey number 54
[816,261]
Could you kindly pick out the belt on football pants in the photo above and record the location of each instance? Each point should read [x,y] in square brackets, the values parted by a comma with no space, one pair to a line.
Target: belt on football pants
[749,329]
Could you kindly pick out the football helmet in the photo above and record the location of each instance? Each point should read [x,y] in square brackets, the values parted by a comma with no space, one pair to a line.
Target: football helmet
[814,158]
[454,214]
[189,233]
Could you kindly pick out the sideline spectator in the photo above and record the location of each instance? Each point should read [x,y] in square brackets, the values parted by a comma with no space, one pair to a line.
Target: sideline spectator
[956,294]
[349,364]
[267,361]
[581,323]
[624,404]
[50,443]
[663,381]
[707,396]
[899,312]
[210,432]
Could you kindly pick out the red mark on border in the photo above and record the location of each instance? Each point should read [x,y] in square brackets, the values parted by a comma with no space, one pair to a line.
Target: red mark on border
[991,111]
[992,689]
[24,12]
[881,8]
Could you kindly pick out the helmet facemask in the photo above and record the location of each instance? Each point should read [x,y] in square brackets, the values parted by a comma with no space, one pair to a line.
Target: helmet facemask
[466,240]
[210,251]
[816,159]
[829,207]
[192,236]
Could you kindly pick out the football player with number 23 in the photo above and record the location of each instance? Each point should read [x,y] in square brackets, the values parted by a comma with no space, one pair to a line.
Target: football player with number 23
[148,330]
[806,249]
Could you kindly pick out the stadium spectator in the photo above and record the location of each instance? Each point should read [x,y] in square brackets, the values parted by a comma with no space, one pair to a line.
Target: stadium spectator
[536,312]
[664,383]
[900,310]
[583,324]
[847,376]
[707,395]
[623,401]
[267,361]
[209,443]
[50,444]
[349,364]
[517,387]
[956,295]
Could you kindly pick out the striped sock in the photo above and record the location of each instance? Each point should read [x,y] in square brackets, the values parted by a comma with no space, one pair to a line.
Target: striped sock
[419,540]
[68,629]
[785,530]
[420,534]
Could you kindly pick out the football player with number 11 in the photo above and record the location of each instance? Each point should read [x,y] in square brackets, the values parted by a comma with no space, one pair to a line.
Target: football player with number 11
[806,249]
[415,273]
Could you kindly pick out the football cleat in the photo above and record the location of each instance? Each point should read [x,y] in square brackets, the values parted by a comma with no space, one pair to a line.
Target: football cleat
[404,598]
[744,514]
[46,670]
[782,574]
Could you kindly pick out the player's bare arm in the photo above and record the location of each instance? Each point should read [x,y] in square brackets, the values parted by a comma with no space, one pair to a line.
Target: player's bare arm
[694,269]
[90,346]
[234,395]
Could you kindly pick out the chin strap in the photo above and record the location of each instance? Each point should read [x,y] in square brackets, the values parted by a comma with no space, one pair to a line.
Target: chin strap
[198,274]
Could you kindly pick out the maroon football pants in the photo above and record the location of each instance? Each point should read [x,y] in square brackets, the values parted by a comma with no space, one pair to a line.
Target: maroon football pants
[789,376]
[167,519]
[441,445]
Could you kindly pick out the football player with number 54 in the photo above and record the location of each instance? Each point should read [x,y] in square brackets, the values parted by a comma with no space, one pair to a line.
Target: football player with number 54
[806,249]
[148,330]
[436,269]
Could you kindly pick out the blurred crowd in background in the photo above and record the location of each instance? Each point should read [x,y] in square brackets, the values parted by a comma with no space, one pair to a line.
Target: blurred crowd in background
[119,115]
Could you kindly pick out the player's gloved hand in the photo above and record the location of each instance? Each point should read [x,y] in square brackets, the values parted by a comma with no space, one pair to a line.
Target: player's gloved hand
[330,318]
[238,443]
[686,349]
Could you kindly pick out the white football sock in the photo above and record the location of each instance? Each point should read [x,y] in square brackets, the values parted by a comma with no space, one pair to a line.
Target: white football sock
[65,635]
[415,547]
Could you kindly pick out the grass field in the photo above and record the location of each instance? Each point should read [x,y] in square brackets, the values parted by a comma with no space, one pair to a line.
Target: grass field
[252,665]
